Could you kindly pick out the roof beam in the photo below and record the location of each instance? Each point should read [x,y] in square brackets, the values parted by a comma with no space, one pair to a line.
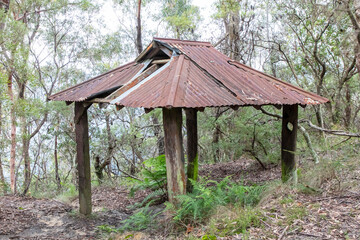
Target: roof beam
[146,51]
[160,61]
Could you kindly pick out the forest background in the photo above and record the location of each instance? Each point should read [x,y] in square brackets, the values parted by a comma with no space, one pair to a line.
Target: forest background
[49,45]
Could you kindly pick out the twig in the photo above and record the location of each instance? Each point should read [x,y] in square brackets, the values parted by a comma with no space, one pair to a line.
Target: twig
[256,158]
[129,175]
[335,197]
[283,233]
[348,138]
[308,142]
[265,223]
[222,39]
[308,234]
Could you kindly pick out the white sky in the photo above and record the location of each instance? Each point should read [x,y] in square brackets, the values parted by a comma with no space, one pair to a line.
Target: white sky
[206,28]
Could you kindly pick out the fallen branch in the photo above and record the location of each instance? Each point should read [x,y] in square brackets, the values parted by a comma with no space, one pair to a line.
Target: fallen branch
[283,233]
[308,142]
[334,132]
[129,175]
[256,158]
[310,124]
[335,197]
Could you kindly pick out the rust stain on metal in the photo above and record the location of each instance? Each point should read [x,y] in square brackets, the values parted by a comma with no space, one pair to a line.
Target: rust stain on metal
[199,76]
[109,81]
[192,88]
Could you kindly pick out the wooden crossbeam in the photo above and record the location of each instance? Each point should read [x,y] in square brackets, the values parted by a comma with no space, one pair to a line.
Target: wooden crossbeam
[160,61]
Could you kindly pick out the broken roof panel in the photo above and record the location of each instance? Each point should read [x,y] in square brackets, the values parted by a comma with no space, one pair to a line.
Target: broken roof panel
[100,85]
[180,83]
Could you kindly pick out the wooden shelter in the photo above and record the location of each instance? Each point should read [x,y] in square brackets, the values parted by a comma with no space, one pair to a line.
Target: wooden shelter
[173,75]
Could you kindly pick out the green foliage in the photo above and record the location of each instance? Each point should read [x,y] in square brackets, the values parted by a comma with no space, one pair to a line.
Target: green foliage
[295,212]
[153,173]
[181,16]
[242,132]
[107,228]
[68,194]
[234,221]
[142,219]
[200,204]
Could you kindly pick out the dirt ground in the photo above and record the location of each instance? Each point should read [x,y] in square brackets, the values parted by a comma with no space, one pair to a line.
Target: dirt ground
[31,218]
[330,217]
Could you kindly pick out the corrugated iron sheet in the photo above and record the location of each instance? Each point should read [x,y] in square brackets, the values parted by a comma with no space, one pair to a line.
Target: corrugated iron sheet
[109,81]
[179,84]
[250,86]
[200,77]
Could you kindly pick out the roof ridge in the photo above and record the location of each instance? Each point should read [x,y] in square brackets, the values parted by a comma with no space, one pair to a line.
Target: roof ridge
[176,80]
[184,41]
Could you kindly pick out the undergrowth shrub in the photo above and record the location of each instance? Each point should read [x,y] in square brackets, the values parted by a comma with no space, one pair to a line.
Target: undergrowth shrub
[197,206]
[144,218]
[153,176]
[233,220]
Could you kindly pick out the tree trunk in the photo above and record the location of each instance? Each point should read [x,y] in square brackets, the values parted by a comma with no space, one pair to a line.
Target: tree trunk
[99,167]
[158,135]
[27,170]
[25,142]
[83,157]
[176,181]
[12,136]
[356,25]
[133,165]
[57,177]
[288,142]
[216,137]
[192,148]
[138,28]
[348,107]
[2,178]
[111,146]
[234,41]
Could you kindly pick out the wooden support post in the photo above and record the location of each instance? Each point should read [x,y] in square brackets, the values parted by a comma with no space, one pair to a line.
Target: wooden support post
[192,147]
[83,157]
[288,142]
[174,152]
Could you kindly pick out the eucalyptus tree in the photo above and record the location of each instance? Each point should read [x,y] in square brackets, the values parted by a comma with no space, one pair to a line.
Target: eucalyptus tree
[35,50]
[314,43]
[181,18]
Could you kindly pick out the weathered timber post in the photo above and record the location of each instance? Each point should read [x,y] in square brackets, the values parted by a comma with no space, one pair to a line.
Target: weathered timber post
[83,157]
[192,147]
[174,152]
[288,142]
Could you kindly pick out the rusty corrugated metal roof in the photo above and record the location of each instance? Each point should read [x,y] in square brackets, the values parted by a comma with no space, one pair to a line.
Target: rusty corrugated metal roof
[251,86]
[180,83]
[99,85]
[197,76]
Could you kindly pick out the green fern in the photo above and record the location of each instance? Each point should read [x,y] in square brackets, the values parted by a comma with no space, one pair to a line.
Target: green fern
[199,205]
[153,174]
[154,196]
[142,219]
